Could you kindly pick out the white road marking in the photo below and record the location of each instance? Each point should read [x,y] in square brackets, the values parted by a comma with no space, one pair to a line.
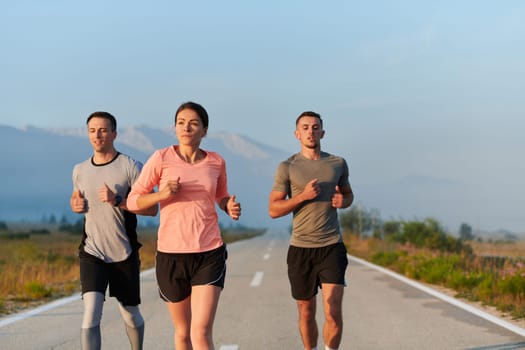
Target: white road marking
[229,347]
[270,247]
[446,298]
[257,279]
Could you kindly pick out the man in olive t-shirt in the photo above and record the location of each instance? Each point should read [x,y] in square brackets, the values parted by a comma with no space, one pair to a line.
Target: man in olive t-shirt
[313,185]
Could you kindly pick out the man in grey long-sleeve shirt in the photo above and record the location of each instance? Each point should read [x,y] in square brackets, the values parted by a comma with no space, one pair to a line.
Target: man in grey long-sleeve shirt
[109,251]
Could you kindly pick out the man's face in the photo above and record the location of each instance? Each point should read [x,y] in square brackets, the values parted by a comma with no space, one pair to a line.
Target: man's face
[309,132]
[100,134]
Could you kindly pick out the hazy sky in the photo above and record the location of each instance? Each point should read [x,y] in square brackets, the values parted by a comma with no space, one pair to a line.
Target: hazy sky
[416,95]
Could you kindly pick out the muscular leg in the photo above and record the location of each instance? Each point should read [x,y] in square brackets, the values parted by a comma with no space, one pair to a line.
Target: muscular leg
[307,322]
[181,317]
[333,313]
[204,301]
[134,325]
[90,338]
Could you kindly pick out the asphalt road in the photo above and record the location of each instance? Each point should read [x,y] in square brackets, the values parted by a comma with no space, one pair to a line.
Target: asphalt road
[256,311]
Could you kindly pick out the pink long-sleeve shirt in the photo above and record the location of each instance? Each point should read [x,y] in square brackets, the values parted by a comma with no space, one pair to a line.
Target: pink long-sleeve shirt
[188,221]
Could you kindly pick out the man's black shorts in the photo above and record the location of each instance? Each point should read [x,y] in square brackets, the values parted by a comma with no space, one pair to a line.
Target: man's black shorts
[308,268]
[178,272]
[123,277]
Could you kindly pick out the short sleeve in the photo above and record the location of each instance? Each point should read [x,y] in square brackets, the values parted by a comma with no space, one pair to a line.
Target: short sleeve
[282,178]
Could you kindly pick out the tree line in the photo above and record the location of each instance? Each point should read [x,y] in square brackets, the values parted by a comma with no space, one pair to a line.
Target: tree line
[427,233]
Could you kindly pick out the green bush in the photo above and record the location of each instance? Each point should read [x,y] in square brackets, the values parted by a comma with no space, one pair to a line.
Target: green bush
[424,234]
[385,258]
[36,290]
[513,285]
[439,270]
[15,235]
[486,290]
[465,281]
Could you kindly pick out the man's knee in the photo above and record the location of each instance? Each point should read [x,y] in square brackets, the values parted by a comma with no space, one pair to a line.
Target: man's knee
[307,309]
[334,316]
[93,303]
[131,315]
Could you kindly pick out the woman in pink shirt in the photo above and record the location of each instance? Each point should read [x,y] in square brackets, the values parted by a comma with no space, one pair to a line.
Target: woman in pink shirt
[191,256]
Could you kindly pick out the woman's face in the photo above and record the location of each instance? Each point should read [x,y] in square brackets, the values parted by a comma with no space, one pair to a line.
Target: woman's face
[189,128]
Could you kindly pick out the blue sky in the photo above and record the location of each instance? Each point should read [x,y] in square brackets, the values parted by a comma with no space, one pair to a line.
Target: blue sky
[424,99]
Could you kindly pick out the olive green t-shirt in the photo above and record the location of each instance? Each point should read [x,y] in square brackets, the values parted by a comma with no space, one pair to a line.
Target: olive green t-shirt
[315,222]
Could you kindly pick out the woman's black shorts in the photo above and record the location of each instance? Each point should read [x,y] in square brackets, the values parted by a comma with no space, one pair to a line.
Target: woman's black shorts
[178,272]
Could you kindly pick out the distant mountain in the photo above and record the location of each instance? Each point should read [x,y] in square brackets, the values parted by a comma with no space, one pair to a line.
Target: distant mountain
[36,166]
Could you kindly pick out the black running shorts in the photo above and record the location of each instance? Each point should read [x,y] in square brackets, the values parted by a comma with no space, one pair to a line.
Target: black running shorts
[308,268]
[178,272]
[123,277]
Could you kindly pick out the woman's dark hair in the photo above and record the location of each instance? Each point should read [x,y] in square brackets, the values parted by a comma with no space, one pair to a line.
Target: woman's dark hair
[104,115]
[197,108]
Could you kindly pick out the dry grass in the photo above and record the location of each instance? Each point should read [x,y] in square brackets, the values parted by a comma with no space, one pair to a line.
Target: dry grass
[506,249]
[40,265]
[36,268]
[45,260]
[364,248]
